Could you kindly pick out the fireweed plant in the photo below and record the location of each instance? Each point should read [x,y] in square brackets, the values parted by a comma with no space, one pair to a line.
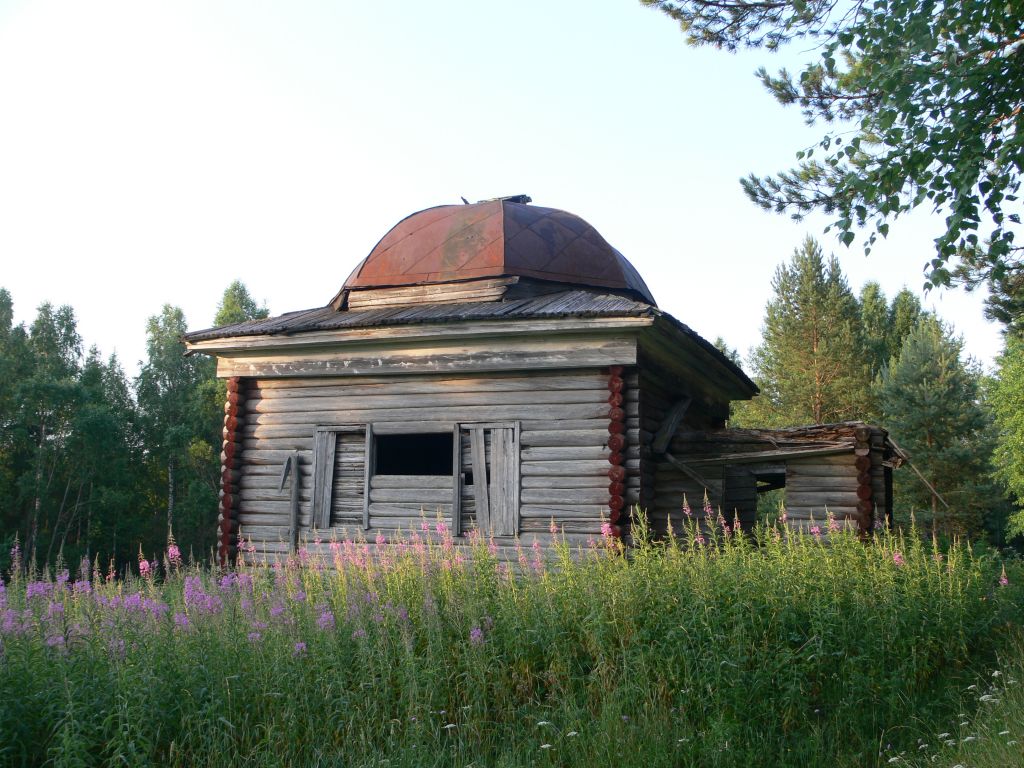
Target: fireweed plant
[713,649]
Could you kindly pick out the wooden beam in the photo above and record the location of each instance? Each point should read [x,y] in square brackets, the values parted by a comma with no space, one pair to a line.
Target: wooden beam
[670,424]
[687,470]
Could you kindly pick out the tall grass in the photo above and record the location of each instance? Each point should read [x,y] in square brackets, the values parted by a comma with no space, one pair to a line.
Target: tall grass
[988,730]
[771,649]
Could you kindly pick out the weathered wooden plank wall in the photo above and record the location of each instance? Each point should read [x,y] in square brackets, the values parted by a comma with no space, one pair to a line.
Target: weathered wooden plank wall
[563,449]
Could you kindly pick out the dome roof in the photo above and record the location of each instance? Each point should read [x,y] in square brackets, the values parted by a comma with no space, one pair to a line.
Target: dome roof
[495,238]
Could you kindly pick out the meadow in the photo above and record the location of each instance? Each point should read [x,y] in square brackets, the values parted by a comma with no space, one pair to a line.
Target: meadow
[773,649]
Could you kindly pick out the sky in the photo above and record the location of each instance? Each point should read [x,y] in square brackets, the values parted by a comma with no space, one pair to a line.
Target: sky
[152,152]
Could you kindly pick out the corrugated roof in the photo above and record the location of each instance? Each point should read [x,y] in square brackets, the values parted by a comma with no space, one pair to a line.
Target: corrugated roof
[555,305]
[578,303]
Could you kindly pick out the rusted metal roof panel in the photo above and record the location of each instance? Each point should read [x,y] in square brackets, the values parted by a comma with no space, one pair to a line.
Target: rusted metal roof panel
[492,239]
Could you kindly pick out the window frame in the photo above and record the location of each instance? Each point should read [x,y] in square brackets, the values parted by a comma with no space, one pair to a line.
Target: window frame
[324,449]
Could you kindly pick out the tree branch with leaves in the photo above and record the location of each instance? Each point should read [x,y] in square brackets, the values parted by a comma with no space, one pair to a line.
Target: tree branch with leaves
[923,106]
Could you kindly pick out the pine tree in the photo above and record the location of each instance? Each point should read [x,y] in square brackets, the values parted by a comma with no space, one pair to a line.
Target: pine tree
[813,365]
[930,403]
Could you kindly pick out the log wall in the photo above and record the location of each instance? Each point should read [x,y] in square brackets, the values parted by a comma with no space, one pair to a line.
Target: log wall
[227,519]
[663,486]
[564,418]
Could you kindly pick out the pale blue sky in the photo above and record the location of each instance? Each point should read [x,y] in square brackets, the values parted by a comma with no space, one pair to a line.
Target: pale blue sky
[152,152]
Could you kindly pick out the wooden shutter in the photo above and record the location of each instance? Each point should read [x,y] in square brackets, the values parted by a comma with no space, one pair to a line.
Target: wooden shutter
[494,457]
[325,442]
[337,491]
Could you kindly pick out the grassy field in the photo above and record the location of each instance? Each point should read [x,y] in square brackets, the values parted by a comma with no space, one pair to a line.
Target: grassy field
[770,650]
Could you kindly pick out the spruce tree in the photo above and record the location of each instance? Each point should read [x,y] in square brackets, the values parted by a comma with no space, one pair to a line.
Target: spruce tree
[813,365]
[930,403]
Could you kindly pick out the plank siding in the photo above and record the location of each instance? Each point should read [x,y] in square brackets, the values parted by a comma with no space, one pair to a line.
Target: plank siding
[562,453]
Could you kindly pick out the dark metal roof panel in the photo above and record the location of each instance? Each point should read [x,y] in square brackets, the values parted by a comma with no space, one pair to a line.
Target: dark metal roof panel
[555,305]
[579,303]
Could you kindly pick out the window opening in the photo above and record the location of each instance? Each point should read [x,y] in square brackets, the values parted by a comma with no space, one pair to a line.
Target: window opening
[417,454]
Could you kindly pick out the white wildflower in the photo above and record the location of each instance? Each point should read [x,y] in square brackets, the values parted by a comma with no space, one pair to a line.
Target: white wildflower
[966,739]
[997,673]
[545,746]
[572,734]
[450,726]
[1004,733]
[988,697]
[543,722]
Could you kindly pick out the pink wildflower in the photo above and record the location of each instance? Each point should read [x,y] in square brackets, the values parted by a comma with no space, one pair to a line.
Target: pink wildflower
[833,525]
[174,555]
[144,567]
[686,507]
[1003,580]
[552,528]
[476,636]
[299,649]
[816,530]
[897,558]
[606,529]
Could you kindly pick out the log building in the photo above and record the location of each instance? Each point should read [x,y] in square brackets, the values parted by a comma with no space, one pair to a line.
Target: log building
[501,366]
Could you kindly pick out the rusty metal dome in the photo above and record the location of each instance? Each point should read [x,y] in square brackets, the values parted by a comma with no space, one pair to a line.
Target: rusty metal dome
[496,238]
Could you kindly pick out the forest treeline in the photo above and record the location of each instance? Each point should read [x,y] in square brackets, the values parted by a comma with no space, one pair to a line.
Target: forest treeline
[828,354]
[96,464]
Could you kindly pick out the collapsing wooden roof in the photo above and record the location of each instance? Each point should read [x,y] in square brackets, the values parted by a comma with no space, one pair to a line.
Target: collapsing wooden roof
[737,446]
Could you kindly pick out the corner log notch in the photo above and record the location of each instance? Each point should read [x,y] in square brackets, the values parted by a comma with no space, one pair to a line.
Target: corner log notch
[227,545]
[617,448]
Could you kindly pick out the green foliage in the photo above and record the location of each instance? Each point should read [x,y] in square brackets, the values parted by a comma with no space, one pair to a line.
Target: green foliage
[91,465]
[780,651]
[812,365]
[932,94]
[930,402]
[993,737]
[886,325]
[1007,400]
[237,306]
[722,346]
